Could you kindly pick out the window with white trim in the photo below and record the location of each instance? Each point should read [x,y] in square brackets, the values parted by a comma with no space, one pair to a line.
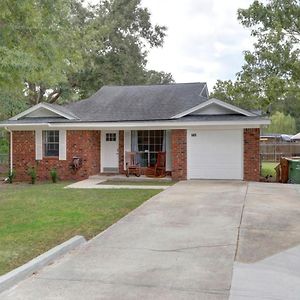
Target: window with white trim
[51,142]
[147,143]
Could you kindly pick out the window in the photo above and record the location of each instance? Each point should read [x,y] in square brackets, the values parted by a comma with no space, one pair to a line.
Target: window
[111,137]
[51,142]
[147,143]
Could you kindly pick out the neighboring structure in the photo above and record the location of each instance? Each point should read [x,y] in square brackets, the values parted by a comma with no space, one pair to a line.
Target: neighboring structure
[202,138]
[296,137]
[273,146]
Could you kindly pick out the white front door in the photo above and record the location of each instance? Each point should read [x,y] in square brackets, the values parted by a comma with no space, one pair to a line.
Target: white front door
[110,151]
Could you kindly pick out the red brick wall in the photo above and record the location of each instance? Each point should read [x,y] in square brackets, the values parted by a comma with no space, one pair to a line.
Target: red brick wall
[179,154]
[86,145]
[82,143]
[251,154]
[23,145]
[121,152]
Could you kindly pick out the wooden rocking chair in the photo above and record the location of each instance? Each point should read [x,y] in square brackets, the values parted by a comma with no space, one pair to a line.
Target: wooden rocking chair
[132,164]
[160,166]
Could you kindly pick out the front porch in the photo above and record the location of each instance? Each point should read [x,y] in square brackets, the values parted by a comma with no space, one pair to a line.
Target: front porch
[149,147]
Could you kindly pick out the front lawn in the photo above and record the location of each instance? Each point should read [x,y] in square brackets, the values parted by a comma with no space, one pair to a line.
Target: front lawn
[35,218]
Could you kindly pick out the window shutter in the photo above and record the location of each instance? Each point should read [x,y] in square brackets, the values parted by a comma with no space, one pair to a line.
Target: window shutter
[127,144]
[62,145]
[38,144]
[168,151]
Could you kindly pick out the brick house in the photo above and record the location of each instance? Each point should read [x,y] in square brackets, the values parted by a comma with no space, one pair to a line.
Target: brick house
[203,138]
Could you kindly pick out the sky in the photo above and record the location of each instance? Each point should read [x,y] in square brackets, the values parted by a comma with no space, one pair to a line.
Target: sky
[204,42]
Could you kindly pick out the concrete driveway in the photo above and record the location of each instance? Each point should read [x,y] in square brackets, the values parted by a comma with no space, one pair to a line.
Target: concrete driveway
[196,240]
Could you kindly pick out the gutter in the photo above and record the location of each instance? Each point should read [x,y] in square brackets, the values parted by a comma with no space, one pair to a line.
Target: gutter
[140,124]
[10,149]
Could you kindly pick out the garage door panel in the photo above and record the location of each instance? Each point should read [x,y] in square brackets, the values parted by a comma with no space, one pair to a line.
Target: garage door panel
[215,154]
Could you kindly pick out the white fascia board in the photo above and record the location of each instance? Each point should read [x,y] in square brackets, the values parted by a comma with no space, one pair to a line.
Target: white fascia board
[38,106]
[139,125]
[218,102]
[121,125]
[27,126]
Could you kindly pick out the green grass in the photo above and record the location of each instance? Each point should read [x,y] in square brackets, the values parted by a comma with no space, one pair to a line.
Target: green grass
[138,182]
[35,218]
[268,168]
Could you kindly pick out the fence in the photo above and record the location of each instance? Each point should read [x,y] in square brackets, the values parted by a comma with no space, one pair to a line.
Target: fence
[274,150]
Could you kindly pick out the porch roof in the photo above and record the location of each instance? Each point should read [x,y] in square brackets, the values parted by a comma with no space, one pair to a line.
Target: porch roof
[183,121]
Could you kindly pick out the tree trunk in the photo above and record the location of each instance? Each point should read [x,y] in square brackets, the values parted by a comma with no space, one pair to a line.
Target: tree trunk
[54,96]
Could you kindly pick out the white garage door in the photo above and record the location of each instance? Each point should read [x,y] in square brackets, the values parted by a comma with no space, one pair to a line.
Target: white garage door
[215,154]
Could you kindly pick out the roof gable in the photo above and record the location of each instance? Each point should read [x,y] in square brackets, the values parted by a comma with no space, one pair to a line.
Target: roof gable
[214,107]
[45,110]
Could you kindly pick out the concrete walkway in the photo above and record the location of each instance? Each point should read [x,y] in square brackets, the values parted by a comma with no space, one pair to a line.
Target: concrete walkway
[183,244]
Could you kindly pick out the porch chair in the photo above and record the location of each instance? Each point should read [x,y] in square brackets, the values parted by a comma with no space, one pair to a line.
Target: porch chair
[160,166]
[132,164]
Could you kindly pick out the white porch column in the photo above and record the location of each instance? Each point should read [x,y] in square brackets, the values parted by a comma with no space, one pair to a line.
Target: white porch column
[127,144]
[168,151]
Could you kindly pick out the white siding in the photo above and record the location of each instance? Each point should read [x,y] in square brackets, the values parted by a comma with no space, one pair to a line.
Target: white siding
[42,112]
[38,144]
[213,109]
[62,145]
[215,154]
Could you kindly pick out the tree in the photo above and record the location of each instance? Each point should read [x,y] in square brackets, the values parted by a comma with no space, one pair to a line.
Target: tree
[274,65]
[154,77]
[37,48]
[115,41]
[281,123]
[237,94]
[270,77]
[61,50]
[11,103]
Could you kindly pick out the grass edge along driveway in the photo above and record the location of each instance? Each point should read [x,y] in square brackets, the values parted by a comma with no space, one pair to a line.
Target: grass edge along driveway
[35,218]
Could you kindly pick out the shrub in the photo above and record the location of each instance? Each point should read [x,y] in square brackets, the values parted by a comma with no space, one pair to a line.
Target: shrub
[53,174]
[11,175]
[32,174]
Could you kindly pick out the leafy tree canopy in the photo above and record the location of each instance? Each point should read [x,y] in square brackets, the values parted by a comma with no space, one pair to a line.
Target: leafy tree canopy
[61,50]
[116,35]
[37,47]
[270,78]
[281,123]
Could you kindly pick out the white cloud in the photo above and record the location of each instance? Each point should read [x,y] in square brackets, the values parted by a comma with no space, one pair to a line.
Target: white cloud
[204,42]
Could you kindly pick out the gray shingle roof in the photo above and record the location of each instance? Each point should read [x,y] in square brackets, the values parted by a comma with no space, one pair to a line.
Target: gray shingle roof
[134,103]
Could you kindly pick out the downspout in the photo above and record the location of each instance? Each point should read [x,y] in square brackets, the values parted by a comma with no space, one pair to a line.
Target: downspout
[10,149]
